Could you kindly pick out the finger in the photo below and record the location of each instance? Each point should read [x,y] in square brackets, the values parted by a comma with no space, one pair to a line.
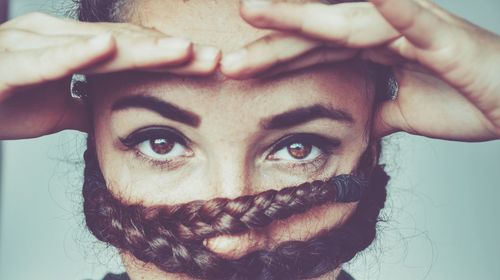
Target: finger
[10,40]
[316,57]
[29,21]
[204,62]
[147,53]
[348,24]
[32,67]
[414,20]
[333,55]
[137,47]
[445,110]
[265,53]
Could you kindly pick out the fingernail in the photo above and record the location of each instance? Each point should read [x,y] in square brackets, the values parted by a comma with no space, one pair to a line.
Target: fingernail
[100,41]
[257,4]
[232,59]
[174,44]
[208,53]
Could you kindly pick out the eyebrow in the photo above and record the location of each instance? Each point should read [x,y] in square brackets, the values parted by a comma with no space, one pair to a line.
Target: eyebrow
[164,108]
[306,114]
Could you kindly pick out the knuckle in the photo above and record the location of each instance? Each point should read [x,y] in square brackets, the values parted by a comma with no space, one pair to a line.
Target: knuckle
[447,52]
[271,46]
[275,43]
[268,40]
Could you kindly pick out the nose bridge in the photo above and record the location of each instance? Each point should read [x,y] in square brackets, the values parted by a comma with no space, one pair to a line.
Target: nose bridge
[230,173]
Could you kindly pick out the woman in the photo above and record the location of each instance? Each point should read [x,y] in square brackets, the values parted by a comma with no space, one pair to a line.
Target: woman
[148,130]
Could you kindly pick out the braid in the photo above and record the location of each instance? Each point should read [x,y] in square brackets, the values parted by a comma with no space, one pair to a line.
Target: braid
[199,220]
[171,237]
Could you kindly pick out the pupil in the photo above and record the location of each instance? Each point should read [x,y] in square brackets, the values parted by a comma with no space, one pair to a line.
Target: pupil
[161,146]
[299,150]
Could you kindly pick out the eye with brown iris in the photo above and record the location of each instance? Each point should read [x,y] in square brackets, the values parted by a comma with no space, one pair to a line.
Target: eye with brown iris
[161,146]
[299,150]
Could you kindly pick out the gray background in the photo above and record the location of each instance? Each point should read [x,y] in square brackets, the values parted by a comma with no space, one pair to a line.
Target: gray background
[442,210]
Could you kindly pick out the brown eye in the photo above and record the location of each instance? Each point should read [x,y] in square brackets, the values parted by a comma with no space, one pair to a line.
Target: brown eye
[161,146]
[299,150]
[158,143]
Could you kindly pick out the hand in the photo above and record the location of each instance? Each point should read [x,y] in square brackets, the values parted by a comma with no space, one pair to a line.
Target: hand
[447,68]
[39,53]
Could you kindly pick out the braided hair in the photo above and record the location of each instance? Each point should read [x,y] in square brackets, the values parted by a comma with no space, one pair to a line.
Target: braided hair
[170,237]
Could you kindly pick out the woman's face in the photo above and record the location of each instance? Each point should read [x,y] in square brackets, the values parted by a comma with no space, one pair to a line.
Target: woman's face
[163,139]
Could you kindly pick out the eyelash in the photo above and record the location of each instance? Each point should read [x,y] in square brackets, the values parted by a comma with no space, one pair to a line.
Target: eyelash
[326,145]
[137,137]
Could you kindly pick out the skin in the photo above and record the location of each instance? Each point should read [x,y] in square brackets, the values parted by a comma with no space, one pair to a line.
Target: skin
[439,96]
[228,157]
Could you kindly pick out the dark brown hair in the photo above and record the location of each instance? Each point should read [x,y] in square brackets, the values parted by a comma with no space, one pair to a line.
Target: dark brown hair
[170,237]
[173,242]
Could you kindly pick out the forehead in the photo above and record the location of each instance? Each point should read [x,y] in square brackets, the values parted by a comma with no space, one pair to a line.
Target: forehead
[209,22]
[341,86]
[218,23]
